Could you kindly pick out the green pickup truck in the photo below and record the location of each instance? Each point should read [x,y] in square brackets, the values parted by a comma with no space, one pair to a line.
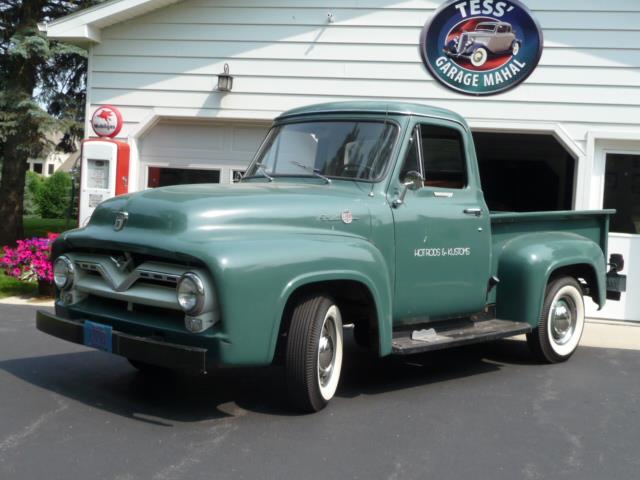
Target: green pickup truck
[362,214]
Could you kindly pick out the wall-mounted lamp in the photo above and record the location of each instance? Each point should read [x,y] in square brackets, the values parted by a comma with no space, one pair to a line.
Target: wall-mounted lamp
[225,81]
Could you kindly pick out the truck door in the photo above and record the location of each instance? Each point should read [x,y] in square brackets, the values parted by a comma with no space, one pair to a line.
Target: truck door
[442,230]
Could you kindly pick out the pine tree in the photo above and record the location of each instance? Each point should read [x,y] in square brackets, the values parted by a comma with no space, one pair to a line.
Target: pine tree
[42,89]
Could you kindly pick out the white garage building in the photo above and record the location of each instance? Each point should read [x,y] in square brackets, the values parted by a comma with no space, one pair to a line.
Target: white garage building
[568,137]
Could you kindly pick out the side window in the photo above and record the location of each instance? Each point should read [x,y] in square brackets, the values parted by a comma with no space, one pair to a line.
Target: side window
[412,159]
[443,157]
[502,29]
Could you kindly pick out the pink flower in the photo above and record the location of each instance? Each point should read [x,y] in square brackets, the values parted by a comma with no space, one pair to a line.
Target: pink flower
[29,259]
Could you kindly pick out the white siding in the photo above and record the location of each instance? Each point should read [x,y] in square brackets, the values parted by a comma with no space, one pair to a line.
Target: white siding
[283,54]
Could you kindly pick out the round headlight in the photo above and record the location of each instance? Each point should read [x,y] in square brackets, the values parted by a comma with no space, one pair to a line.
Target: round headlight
[191,293]
[63,272]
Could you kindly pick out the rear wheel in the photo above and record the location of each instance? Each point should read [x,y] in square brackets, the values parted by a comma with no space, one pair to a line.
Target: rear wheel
[314,352]
[515,48]
[561,323]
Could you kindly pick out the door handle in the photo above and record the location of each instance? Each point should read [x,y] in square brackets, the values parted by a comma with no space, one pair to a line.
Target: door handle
[473,211]
[443,194]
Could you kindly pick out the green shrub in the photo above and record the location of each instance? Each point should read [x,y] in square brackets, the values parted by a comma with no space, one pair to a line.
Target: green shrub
[53,197]
[33,182]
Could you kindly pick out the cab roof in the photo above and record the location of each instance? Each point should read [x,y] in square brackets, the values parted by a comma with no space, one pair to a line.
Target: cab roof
[494,24]
[391,108]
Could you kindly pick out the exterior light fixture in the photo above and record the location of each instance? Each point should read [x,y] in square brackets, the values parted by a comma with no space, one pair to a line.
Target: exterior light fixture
[225,81]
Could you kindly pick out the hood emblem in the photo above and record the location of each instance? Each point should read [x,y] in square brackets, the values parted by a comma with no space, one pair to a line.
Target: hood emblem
[120,221]
[346,217]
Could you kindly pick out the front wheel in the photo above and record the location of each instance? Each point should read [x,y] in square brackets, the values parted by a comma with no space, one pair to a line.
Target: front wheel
[479,57]
[561,323]
[314,352]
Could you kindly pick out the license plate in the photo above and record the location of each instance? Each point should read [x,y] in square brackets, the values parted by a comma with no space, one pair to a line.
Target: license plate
[97,336]
[617,283]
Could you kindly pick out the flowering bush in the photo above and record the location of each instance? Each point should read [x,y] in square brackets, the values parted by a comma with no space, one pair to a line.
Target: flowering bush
[29,261]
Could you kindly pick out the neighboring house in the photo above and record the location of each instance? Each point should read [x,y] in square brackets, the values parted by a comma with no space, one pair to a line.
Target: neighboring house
[568,137]
[54,161]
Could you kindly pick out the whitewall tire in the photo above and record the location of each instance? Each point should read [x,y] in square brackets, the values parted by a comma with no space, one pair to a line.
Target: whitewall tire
[314,352]
[561,322]
[479,57]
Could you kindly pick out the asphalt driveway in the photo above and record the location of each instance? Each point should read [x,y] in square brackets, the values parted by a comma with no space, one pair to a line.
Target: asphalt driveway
[481,412]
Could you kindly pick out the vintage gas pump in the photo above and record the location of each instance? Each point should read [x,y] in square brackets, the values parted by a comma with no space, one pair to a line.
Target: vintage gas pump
[105,163]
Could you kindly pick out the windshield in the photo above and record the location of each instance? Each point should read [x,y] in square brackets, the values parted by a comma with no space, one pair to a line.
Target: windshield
[334,149]
[485,28]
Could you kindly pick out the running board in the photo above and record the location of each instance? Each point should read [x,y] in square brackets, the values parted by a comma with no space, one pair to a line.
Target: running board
[447,335]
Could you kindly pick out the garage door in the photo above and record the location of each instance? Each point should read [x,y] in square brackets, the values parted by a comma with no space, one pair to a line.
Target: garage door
[182,152]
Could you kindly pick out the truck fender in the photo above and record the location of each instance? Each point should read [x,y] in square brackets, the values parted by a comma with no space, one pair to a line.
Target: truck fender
[526,264]
[374,278]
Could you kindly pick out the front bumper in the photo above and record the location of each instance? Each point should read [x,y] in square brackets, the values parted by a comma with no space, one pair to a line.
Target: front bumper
[143,349]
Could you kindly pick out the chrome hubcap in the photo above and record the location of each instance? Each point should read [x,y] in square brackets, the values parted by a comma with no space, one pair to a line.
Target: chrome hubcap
[563,320]
[478,56]
[327,351]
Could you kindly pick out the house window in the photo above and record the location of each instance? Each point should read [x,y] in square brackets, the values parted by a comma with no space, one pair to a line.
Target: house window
[37,167]
[50,168]
[622,192]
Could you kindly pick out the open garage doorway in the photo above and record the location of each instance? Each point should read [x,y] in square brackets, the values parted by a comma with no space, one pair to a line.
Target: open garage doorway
[525,172]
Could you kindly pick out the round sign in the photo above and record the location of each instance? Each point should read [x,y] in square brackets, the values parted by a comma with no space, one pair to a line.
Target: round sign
[481,47]
[106,121]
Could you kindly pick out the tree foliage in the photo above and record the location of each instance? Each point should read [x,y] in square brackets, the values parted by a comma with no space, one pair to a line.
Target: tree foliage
[53,196]
[42,89]
[33,182]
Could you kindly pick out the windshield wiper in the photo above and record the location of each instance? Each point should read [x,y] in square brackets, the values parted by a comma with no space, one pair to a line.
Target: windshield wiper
[313,171]
[263,169]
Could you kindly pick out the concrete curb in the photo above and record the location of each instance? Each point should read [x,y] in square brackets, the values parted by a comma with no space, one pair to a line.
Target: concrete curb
[30,301]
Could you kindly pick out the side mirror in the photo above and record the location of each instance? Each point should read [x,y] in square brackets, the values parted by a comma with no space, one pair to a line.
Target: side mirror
[412,181]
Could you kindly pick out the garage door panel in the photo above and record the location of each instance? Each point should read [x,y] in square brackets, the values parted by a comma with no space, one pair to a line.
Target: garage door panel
[220,146]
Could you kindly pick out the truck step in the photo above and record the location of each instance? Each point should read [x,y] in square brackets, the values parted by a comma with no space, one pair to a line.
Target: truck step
[447,335]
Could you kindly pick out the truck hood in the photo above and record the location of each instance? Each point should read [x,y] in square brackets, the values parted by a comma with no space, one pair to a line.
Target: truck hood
[202,212]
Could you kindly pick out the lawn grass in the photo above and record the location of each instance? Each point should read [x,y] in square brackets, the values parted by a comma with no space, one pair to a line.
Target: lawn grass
[10,287]
[39,227]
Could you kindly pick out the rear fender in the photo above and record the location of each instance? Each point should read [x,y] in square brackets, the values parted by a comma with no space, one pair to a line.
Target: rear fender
[526,264]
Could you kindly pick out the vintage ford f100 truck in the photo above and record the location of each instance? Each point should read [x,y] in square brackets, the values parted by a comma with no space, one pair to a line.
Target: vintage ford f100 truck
[351,213]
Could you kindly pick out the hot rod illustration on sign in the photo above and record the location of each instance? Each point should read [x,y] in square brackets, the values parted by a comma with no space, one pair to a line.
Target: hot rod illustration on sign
[489,38]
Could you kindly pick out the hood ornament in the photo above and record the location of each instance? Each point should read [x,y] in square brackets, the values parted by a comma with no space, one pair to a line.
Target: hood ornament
[120,221]
[123,264]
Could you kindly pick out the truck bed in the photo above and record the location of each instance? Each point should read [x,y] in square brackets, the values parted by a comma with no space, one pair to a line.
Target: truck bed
[509,226]
[592,224]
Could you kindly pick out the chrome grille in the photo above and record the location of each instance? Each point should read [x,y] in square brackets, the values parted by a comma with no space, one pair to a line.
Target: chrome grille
[151,283]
